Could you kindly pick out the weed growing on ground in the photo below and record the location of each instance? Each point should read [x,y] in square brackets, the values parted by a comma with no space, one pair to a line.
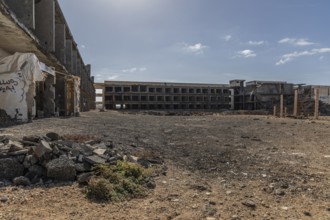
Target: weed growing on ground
[118,182]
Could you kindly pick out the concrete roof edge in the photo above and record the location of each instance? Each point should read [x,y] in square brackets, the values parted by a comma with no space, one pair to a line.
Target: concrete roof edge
[4,9]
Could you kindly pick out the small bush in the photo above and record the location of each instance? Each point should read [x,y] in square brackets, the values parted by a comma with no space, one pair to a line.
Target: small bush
[99,189]
[118,182]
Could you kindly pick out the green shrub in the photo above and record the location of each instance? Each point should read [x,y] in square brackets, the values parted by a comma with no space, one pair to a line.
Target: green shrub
[118,182]
[99,189]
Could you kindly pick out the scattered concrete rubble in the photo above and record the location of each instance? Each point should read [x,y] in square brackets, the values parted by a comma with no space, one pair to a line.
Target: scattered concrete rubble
[51,158]
[196,112]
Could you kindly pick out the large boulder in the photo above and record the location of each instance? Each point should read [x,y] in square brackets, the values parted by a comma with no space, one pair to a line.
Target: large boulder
[62,169]
[10,168]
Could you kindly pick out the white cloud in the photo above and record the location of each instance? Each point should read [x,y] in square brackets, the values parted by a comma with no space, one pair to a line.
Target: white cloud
[290,56]
[106,76]
[134,69]
[296,42]
[131,70]
[195,49]
[227,38]
[246,53]
[82,46]
[256,43]
[112,77]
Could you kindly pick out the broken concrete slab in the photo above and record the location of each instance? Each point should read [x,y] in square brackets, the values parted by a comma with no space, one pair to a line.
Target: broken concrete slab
[85,149]
[14,146]
[32,138]
[20,152]
[94,159]
[42,148]
[100,151]
[83,167]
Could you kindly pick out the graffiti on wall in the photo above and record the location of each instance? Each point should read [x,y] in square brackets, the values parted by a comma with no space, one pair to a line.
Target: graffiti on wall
[13,85]
[8,85]
[13,94]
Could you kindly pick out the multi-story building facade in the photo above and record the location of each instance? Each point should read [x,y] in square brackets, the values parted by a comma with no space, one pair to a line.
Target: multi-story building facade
[161,96]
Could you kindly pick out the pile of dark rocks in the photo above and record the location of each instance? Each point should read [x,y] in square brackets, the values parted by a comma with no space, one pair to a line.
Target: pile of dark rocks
[39,160]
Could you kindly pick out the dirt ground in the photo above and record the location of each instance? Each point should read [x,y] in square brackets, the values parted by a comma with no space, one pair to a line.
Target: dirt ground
[219,167]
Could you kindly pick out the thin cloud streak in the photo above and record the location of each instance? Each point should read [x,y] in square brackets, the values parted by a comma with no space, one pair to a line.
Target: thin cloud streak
[256,43]
[108,74]
[290,56]
[296,42]
[134,69]
[113,77]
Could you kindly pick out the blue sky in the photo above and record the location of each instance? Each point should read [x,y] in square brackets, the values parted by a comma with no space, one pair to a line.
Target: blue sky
[205,41]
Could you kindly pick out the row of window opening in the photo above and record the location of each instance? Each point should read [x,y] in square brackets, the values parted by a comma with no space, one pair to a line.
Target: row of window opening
[168,98]
[166,90]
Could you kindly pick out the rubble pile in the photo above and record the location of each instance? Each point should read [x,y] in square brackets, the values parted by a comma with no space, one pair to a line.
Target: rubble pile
[48,159]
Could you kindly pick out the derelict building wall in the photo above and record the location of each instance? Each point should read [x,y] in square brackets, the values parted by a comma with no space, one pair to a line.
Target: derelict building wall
[45,21]
[165,96]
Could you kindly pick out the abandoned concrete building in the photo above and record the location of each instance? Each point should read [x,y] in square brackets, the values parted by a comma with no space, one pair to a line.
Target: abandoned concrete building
[237,95]
[255,95]
[42,72]
[156,95]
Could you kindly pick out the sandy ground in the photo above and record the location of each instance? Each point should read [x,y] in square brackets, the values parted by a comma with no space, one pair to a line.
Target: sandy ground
[219,167]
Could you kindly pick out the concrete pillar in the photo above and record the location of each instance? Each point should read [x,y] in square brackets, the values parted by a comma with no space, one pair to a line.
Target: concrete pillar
[88,70]
[74,62]
[24,11]
[60,44]
[281,106]
[68,54]
[317,95]
[76,97]
[45,23]
[103,97]
[49,96]
[295,104]
[79,67]
[60,97]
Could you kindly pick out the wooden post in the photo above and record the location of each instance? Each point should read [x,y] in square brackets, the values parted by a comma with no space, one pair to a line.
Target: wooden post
[285,111]
[274,111]
[295,104]
[281,106]
[317,95]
